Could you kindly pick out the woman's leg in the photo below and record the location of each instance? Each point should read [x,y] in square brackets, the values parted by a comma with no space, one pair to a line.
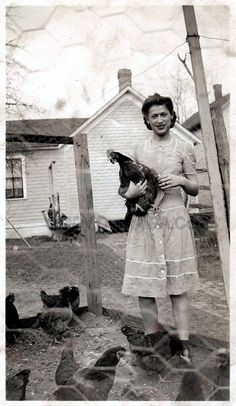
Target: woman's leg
[180,308]
[149,311]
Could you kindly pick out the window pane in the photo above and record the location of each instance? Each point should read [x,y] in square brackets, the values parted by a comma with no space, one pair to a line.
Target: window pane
[18,187]
[18,192]
[17,168]
[14,180]
[9,193]
[14,167]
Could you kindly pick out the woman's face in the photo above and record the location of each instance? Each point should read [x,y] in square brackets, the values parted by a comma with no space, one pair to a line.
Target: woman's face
[159,118]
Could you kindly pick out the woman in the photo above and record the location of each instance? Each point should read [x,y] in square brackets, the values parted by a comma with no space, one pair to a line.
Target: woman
[161,257]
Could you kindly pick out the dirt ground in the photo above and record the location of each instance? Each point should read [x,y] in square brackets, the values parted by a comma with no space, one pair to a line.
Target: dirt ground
[50,265]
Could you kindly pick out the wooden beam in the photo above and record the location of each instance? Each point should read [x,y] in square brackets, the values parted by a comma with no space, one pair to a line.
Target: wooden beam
[209,142]
[42,138]
[89,244]
[222,145]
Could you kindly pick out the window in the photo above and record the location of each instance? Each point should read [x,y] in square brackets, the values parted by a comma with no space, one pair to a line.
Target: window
[14,178]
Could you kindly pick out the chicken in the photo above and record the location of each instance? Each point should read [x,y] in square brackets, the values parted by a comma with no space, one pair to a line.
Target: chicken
[93,383]
[136,172]
[11,318]
[142,343]
[50,301]
[222,380]
[67,366]
[74,298]
[191,387]
[16,385]
[29,322]
[72,232]
[55,320]
[15,324]
[136,339]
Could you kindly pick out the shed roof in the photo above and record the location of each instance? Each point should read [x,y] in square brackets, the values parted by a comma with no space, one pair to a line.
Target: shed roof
[46,131]
[193,122]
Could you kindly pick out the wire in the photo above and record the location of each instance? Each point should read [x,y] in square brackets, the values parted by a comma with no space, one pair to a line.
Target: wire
[162,59]
[140,73]
[219,39]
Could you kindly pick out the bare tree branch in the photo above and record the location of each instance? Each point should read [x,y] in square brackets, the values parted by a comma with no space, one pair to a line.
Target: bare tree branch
[185,65]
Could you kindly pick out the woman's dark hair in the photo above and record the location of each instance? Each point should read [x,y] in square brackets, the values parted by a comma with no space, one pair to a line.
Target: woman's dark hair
[157,100]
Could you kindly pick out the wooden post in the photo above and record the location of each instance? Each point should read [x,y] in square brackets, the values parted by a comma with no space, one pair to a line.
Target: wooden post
[89,245]
[209,142]
[222,144]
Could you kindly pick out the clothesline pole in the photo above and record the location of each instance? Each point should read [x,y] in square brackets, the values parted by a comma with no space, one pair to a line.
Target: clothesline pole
[87,219]
[209,143]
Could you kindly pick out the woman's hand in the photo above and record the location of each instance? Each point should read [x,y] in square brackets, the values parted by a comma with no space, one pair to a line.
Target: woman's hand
[168,181]
[189,183]
[135,190]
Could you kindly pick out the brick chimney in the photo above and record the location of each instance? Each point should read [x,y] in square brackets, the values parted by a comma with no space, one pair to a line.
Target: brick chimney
[124,78]
[218,92]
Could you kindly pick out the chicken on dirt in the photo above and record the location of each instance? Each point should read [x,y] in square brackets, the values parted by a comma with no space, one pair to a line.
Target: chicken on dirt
[16,385]
[93,383]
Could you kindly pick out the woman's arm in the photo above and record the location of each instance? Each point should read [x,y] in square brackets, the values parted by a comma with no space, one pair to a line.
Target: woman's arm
[188,183]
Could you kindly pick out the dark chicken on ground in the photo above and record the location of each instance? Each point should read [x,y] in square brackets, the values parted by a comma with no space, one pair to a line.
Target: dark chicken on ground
[15,324]
[50,301]
[68,365]
[54,320]
[191,387]
[16,385]
[223,372]
[93,383]
[131,171]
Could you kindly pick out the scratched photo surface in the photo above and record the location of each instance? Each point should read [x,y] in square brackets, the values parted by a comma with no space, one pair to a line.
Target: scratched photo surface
[85,259]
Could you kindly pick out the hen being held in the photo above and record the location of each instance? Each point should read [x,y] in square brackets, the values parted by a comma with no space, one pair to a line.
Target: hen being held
[93,383]
[16,385]
[136,172]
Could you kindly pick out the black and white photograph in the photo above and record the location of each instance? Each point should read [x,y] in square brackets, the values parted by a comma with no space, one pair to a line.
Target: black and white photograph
[117,201]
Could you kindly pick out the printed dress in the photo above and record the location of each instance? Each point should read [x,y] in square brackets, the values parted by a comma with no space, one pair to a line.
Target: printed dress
[160,253]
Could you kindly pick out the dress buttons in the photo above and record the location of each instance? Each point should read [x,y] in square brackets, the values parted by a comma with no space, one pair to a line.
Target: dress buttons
[162,271]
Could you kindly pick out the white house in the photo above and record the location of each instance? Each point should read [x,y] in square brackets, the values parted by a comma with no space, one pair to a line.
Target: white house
[118,124]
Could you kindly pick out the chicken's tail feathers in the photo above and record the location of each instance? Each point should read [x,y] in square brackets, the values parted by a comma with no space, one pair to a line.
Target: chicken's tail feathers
[29,322]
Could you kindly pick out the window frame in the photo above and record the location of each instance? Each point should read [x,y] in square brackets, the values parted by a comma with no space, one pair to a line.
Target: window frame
[22,158]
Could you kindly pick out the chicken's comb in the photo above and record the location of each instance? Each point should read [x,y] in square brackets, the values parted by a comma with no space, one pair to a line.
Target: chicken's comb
[109,152]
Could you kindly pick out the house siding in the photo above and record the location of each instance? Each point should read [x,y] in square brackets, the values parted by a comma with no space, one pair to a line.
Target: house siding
[26,214]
